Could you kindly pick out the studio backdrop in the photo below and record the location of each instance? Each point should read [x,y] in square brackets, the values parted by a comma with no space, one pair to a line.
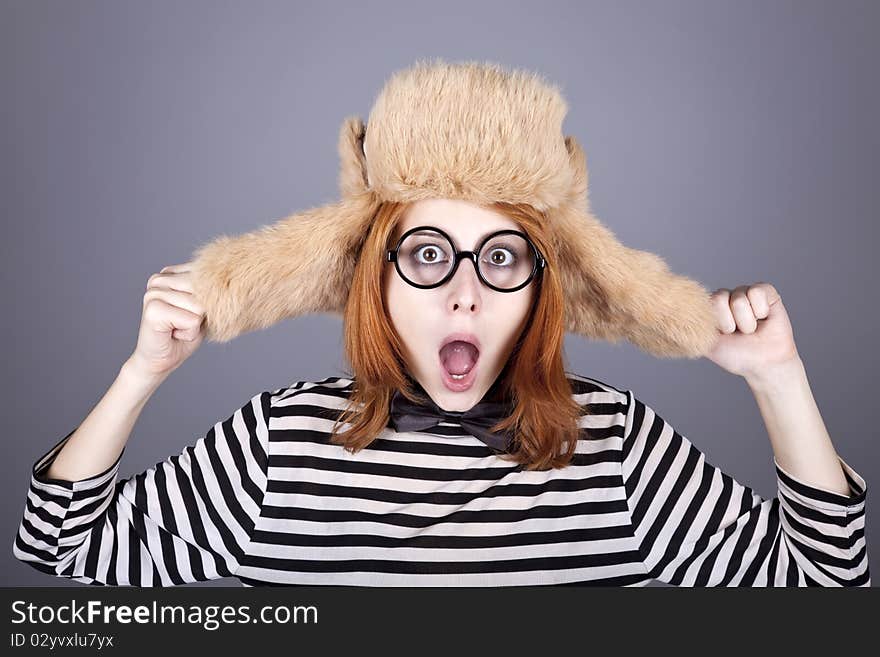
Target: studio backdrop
[738,140]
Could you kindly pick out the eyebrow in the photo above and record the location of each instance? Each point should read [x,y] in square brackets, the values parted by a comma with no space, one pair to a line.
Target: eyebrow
[479,239]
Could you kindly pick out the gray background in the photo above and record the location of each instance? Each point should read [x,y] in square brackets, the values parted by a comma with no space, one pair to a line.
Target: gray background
[738,140]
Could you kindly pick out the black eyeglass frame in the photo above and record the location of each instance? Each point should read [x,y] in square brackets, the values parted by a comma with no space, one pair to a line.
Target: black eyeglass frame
[473,256]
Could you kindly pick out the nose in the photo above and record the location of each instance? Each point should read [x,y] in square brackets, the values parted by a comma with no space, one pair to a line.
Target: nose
[464,287]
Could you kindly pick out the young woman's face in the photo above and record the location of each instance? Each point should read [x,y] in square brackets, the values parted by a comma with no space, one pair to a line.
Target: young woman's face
[425,318]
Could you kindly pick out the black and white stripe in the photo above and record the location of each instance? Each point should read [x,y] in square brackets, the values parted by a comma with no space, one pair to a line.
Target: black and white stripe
[266,498]
[697,526]
[186,519]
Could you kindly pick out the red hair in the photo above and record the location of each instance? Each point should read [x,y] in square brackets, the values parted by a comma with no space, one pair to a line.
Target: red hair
[545,416]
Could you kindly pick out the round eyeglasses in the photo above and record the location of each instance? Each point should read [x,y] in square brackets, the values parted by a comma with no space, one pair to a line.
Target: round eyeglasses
[506,260]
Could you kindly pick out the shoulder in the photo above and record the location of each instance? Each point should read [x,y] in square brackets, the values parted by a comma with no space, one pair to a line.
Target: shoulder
[330,391]
[606,408]
[589,390]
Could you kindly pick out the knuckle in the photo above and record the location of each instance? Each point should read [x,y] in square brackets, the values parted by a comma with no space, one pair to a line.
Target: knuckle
[739,300]
[151,293]
[151,307]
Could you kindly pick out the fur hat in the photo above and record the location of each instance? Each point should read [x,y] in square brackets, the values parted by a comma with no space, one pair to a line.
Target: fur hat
[470,131]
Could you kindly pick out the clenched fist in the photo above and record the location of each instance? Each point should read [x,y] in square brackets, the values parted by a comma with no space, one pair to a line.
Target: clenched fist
[172,323]
[755,334]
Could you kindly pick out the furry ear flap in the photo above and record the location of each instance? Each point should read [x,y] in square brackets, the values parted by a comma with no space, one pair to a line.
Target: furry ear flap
[614,291]
[301,264]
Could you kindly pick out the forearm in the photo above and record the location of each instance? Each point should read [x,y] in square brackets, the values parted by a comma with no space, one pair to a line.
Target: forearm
[798,436]
[103,434]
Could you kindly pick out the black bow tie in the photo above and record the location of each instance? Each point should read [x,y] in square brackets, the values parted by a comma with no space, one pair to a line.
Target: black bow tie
[410,416]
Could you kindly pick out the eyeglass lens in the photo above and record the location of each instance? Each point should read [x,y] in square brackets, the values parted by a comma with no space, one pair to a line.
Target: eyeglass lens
[426,257]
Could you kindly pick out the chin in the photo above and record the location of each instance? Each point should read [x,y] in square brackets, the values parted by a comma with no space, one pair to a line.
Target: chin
[460,401]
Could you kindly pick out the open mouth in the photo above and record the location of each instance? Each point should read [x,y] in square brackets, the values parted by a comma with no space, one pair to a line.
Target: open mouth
[458,358]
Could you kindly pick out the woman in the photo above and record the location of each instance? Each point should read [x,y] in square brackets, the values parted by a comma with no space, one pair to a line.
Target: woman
[458,451]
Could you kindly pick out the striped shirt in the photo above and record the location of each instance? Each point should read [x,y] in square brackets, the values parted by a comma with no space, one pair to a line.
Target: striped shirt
[266,498]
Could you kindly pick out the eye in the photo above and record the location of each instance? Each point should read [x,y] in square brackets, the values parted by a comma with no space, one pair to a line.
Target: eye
[499,256]
[429,254]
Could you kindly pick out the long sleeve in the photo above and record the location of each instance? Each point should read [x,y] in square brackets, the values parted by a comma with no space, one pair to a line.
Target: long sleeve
[697,526]
[187,519]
